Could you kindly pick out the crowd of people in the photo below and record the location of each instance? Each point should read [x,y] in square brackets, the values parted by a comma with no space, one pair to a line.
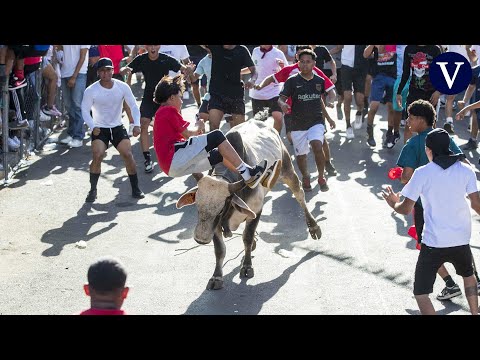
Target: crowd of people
[295,85]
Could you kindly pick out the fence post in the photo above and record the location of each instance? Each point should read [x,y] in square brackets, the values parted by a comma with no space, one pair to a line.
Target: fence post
[4,108]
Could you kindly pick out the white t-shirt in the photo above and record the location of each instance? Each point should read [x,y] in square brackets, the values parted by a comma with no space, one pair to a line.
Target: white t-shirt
[445,207]
[71,55]
[107,105]
[179,52]
[266,67]
[348,55]
[459,49]
[204,68]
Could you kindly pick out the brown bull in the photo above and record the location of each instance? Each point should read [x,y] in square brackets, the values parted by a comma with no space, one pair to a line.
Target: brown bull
[224,202]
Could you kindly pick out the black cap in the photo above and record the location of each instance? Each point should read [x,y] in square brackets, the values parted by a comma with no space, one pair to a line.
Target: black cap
[104,62]
[438,141]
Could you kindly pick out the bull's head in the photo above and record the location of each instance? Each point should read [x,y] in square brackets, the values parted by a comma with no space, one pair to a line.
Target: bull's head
[213,197]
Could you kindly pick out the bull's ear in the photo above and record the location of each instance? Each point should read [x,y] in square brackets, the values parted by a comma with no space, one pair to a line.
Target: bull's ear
[187,199]
[240,205]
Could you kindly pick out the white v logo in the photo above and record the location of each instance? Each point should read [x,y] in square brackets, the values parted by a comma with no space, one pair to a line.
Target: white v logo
[446,75]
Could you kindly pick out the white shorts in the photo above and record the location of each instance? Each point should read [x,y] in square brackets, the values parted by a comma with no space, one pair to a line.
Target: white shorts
[301,139]
[190,157]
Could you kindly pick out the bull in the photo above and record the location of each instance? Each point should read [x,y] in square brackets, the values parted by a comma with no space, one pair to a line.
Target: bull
[224,202]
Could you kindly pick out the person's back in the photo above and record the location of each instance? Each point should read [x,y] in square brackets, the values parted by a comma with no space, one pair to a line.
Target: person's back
[446,186]
[106,287]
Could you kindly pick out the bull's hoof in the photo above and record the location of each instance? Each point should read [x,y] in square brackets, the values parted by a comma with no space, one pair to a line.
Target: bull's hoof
[315,232]
[215,283]
[246,271]
[227,233]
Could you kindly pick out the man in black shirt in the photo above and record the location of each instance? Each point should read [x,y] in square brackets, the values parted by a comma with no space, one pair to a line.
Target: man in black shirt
[308,125]
[154,66]
[384,72]
[226,87]
[416,64]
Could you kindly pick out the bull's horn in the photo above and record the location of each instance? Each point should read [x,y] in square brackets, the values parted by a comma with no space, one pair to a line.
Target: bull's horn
[197,176]
[234,187]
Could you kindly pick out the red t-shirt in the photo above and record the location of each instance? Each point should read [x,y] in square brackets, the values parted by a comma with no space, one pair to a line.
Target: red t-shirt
[114,52]
[290,70]
[93,311]
[167,130]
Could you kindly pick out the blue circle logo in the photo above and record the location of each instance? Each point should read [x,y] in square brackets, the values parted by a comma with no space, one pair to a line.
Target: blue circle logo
[450,73]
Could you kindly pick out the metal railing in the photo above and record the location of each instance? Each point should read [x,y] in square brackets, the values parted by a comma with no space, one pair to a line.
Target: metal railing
[40,126]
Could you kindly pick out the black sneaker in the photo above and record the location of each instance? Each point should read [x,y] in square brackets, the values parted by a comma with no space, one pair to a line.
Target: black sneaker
[271,174]
[470,145]
[92,195]
[330,169]
[148,166]
[15,83]
[257,174]
[370,140]
[449,128]
[323,185]
[306,186]
[449,292]
[138,194]
[393,140]
[386,140]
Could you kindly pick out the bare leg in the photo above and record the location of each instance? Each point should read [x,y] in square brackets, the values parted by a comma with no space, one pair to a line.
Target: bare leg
[425,305]
[237,119]
[471,293]
[215,116]
[277,120]
[302,165]
[125,150]
[347,104]
[144,139]
[98,149]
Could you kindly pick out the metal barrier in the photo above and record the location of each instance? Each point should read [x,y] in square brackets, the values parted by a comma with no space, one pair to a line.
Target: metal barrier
[40,126]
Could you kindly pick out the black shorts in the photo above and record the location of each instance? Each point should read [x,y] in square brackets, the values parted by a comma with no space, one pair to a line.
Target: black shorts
[338,84]
[148,108]
[113,135]
[430,259]
[414,95]
[204,107]
[271,104]
[20,51]
[234,106]
[353,76]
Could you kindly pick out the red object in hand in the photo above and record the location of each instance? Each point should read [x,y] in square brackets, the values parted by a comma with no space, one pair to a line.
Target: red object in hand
[395,173]
[413,233]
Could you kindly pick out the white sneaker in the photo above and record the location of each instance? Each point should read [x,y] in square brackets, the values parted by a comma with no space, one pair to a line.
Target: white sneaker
[75,143]
[186,95]
[67,140]
[402,123]
[357,124]
[44,117]
[130,129]
[350,134]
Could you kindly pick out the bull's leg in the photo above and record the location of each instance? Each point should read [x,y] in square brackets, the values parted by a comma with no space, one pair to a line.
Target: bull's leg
[248,241]
[216,281]
[290,178]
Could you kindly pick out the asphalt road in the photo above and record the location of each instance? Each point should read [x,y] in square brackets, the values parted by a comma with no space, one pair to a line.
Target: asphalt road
[363,264]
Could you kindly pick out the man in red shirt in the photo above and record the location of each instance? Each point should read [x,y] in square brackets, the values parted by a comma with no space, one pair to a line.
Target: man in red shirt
[106,287]
[282,76]
[178,156]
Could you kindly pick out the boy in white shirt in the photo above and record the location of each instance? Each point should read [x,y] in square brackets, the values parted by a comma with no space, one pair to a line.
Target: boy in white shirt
[446,235]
